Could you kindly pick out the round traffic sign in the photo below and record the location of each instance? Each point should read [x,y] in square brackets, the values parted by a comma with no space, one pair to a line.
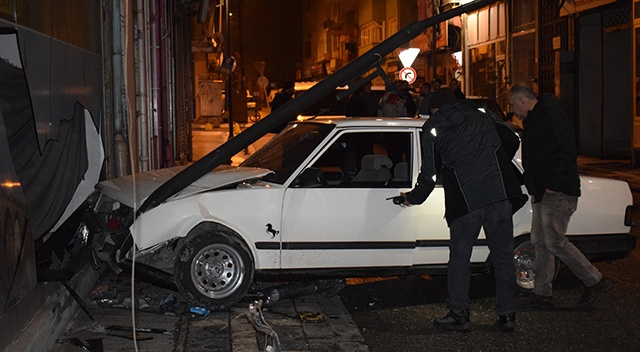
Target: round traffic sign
[408,74]
[263,82]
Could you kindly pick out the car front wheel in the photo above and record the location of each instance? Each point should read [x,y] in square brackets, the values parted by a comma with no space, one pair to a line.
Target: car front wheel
[214,268]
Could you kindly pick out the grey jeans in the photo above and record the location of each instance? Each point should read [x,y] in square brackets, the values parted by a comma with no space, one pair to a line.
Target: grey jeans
[548,228]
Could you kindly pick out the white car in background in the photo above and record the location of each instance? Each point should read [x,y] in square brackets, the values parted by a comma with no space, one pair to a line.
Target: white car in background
[313,203]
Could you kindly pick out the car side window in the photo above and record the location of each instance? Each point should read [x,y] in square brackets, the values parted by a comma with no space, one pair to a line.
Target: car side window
[365,159]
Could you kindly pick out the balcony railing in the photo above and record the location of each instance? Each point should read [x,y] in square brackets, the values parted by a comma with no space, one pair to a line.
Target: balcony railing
[371,33]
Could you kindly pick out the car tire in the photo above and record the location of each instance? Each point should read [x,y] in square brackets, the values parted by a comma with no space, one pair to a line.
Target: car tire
[525,259]
[213,267]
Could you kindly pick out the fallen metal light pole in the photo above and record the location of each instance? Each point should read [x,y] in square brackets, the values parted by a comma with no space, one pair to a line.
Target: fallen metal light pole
[343,76]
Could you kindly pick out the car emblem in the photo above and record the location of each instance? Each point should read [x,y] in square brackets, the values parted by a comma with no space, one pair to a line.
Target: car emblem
[271,231]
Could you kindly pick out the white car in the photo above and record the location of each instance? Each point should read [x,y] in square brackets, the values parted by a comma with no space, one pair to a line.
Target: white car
[314,202]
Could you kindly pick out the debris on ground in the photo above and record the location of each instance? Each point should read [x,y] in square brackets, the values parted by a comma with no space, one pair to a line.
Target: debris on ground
[260,324]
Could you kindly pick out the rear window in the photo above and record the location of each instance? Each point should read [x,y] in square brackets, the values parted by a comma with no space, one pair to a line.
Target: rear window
[328,105]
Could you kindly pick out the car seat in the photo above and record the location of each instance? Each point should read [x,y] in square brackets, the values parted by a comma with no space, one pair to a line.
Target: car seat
[401,172]
[375,168]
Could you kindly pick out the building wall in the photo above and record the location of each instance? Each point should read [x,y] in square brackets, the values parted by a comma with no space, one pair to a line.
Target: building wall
[17,259]
[330,37]
[276,33]
[590,92]
[62,57]
[600,99]
[17,264]
[60,42]
[371,23]
[75,22]
[485,58]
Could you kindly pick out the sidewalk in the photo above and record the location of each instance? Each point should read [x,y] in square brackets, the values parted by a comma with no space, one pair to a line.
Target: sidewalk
[207,138]
[166,322]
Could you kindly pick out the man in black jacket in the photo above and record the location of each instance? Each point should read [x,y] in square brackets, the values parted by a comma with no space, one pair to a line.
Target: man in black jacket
[281,98]
[461,146]
[549,157]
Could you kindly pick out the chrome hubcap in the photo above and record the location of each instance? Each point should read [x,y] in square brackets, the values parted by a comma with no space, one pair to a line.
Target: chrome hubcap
[217,270]
[525,259]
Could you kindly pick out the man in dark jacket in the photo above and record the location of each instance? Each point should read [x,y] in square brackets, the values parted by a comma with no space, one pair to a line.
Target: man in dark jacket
[454,85]
[284,95]
[281,98]
[549,157]
[461,146]
[362,102]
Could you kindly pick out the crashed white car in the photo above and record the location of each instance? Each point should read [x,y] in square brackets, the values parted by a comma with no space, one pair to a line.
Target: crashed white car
[314,203]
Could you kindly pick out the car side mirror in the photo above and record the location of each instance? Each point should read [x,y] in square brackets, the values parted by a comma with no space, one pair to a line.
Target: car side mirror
[311,177]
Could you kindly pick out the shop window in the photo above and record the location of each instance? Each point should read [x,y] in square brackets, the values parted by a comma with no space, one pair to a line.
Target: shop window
[472,28]
[524,15]
[335,46]
[486,25]
[523,65]
[307,49]
[482,80]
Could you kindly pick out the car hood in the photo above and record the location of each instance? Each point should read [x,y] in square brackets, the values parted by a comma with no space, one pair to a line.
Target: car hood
[122,188]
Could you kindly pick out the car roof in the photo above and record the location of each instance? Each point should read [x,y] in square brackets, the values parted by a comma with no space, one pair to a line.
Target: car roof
[490,104]
[304,86]
[344,122]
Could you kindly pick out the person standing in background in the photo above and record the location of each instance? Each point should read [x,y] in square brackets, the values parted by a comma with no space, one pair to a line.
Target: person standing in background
[425,93]
[281,98]
[455,87]
[549,158]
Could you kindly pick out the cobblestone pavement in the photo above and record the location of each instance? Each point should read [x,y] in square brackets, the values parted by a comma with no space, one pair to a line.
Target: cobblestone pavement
[165,322]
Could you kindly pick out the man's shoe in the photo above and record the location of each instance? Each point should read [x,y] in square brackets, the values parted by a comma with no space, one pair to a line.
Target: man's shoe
[453,321]
[507,323]
[534,301]
[591,294]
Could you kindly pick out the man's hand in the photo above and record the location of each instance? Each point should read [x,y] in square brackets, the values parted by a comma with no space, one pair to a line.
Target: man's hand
[406,202]
[400,200]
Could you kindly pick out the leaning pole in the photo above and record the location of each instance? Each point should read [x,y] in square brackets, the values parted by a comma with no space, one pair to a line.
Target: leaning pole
[342,77]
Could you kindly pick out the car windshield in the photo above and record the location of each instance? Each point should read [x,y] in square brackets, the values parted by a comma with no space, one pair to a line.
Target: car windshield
[287,150]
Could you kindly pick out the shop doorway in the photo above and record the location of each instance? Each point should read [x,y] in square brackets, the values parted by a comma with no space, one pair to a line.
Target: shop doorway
[605,95]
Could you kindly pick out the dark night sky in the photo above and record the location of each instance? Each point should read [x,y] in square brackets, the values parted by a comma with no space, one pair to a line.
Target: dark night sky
[271,31]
